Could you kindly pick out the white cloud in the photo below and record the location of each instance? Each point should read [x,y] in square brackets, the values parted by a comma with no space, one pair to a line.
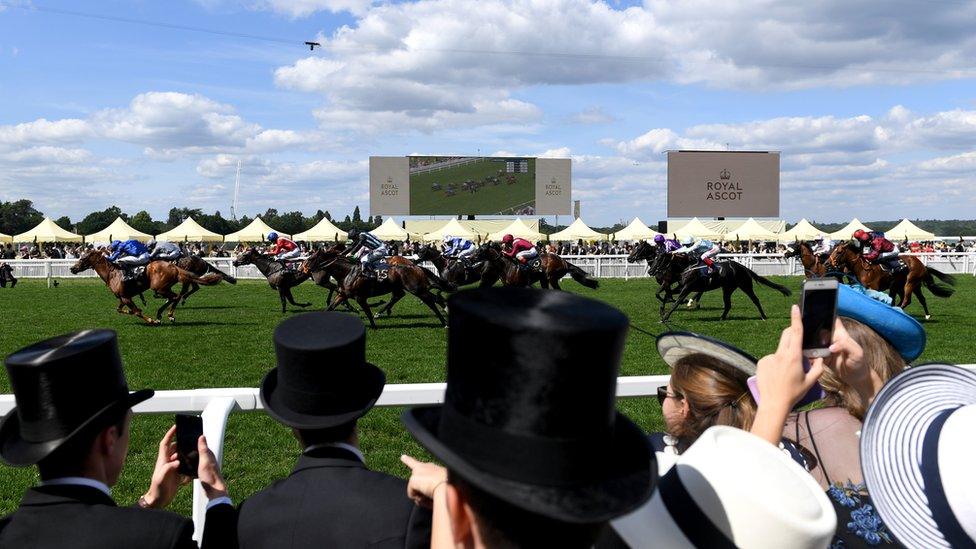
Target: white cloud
[304,8]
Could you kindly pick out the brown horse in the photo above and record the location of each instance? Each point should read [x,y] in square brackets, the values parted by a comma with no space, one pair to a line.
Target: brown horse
[812,266]
[400,280]
[512,273]
[160,276]
[902,284]
[199,267]
[279,277]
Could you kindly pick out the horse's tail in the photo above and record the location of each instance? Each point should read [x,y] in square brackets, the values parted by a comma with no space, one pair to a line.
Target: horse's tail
[766,282]
[224,276]
[939,290]
[208,279]
[438,282]
[579,275]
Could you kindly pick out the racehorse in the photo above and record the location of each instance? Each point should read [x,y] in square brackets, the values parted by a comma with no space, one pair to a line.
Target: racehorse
[199,267]
[812,266]
[661,266]
[400,279]
[454,270]
[159,276]
[512,273]
[7,275]
[900,284]
[730,276]
[279,277]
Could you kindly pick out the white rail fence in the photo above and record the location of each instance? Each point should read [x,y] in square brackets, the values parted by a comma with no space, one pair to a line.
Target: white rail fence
[599,266]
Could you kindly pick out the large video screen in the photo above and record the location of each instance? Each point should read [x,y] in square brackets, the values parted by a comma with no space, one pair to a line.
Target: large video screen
[448,185]
[459,185]
[723,184]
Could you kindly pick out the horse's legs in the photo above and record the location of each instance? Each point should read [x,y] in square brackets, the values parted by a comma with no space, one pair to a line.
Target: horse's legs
[185,294]
[364,303]
[281,296]
[121,305]
[748,290]
[171,301]
[395,296]
[428,300]
[921,299]
[681,297]
[554,282]
[339,299]
[137,311]
[906,299]
[287,292]
[727,300]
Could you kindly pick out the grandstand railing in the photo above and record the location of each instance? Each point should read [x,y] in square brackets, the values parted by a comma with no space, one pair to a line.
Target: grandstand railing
[216,405]
[599,266]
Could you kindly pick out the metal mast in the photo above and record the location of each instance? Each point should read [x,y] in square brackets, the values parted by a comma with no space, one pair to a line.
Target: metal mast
[237,191]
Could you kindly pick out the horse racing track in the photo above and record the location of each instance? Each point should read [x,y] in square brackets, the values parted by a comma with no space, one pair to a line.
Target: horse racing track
[222,338]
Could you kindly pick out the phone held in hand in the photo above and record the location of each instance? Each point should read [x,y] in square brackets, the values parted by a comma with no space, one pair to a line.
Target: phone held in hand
[189,428]
[818,308]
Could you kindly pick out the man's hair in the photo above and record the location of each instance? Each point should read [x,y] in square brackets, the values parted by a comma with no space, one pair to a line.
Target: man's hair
[503,525]
[68,460]
[339,433]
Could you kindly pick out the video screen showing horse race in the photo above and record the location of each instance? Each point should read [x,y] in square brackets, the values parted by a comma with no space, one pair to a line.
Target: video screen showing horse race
[487,274]
[442,185]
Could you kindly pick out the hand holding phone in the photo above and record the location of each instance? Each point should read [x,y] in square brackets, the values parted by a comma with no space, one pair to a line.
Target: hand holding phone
[189,428]
[818,308]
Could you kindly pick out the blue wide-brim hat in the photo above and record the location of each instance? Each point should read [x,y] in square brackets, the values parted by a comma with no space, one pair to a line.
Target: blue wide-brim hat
[900,330]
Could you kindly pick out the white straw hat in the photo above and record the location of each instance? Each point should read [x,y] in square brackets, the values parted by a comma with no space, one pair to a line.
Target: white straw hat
[732,489]
[918,443]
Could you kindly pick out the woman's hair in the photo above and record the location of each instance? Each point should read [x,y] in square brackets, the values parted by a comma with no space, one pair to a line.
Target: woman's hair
[716,394]
[879,356]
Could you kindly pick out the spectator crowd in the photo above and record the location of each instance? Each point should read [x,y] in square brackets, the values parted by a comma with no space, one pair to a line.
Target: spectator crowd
[531,449]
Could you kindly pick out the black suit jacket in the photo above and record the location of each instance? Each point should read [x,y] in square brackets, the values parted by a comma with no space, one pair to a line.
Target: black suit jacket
[332,500]
[84,517]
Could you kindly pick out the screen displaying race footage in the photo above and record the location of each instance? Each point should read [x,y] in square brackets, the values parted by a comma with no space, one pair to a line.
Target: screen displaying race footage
[472,185]
[469,185]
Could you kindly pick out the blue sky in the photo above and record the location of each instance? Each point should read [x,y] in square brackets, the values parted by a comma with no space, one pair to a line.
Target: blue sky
[873,107]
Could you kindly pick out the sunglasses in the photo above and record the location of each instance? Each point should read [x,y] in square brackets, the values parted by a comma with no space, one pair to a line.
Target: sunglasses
[662,394]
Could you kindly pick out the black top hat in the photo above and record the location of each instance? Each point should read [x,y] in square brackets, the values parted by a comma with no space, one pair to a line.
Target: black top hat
[63,385]
[322,379]
[529,412]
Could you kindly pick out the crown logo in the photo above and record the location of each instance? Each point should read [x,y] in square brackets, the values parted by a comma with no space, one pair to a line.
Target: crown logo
[725,174]
[553,181]
[389,180]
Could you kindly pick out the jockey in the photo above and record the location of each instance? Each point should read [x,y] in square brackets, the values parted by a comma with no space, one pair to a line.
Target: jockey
[367,248]
[876,248]
[666,244]
[128,254]
[705,250]
[283,249]
[461,248]
[519,248]
[164,251]
[824,245]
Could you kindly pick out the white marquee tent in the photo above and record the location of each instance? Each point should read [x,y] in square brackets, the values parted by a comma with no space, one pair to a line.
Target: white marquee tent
[577,231]
[389,230]
[802,231]
[696,229]
[848,230]
[452,228]
[323,231]
[256,231]
[189,231]
[518,229]
[118,230]
[47,231]
[750,230]
[636,230]
[906,230]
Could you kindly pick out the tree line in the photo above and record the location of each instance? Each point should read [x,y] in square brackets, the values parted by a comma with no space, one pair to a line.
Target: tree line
[19,216]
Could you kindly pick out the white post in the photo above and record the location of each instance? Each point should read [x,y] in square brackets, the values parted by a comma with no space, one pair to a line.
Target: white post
[47,271]
[214,424]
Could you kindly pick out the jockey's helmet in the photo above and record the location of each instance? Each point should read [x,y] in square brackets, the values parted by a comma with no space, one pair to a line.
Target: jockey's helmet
[659,239]
[688,240]
[448,238]
[861,235]
[151,244]
[353,234]
[115,244]
[272,236]
[507,239]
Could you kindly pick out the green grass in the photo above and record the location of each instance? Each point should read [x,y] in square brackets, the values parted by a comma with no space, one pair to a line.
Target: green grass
[487,200]
[222,338]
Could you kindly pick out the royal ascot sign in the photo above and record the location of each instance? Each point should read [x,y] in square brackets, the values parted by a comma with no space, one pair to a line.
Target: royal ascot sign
[723,184]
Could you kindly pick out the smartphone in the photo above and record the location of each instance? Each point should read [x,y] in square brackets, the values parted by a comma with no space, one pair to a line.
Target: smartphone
[818,306]
[188,431]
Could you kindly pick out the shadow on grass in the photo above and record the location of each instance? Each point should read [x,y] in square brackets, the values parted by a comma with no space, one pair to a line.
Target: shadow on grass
[381,326]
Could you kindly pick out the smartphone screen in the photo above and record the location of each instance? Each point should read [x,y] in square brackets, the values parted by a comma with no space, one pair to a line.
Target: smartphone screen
[819,309]
[188,431]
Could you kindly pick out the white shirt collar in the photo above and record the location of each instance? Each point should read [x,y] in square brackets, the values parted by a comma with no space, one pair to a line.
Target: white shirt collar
[344,445]
[79,481]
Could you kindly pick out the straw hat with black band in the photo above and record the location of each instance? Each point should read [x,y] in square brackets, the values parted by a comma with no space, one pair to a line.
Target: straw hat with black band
[917,453]
[673,346]
[65,387]
[529,414]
